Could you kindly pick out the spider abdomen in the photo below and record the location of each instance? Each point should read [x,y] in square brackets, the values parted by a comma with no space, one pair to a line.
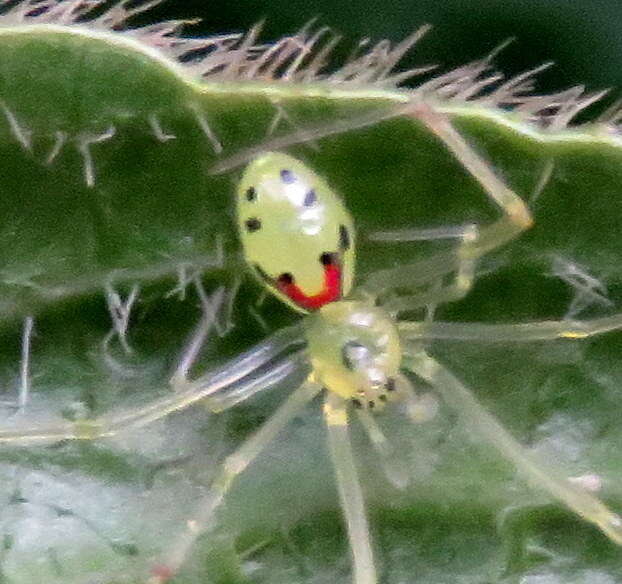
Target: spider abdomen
[297,235]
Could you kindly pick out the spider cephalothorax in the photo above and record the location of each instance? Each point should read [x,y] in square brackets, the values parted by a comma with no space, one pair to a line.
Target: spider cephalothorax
[355,351]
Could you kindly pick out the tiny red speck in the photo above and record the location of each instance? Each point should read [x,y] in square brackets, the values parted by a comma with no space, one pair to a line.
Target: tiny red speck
[162,572]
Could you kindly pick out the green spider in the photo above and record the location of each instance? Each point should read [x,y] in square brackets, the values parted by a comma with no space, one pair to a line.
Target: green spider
[299,241]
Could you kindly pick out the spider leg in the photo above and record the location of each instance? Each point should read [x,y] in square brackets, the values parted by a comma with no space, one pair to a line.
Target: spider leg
[520,332]
[419,408]
[424,271]
[393,470]
[462,283]
[516,216]
[25,375]
[232,376]
[211,307]
[233,465]
[408,235]
[231,397]
[483,423]
[349,486]
[221,300]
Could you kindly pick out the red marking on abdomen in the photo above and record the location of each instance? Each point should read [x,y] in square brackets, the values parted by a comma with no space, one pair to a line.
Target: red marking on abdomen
[330,292]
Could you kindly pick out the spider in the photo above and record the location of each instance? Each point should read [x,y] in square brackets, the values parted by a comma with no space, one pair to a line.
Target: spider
[299,241]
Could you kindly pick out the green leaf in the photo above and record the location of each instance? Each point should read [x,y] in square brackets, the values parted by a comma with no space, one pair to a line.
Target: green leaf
[98,198]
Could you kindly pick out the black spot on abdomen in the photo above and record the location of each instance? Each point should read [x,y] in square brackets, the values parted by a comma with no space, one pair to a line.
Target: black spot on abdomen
[344,238]
[328,259]
[253,224]
[251,194]
[310,198]
[287,176]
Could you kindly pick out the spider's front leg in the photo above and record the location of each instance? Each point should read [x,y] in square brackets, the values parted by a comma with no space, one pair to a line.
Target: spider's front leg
[475,243]
[460,286]
[252,371]
[349,486]
[545,330]
[233,465]
[482,423]
[235,388]
[516,215]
